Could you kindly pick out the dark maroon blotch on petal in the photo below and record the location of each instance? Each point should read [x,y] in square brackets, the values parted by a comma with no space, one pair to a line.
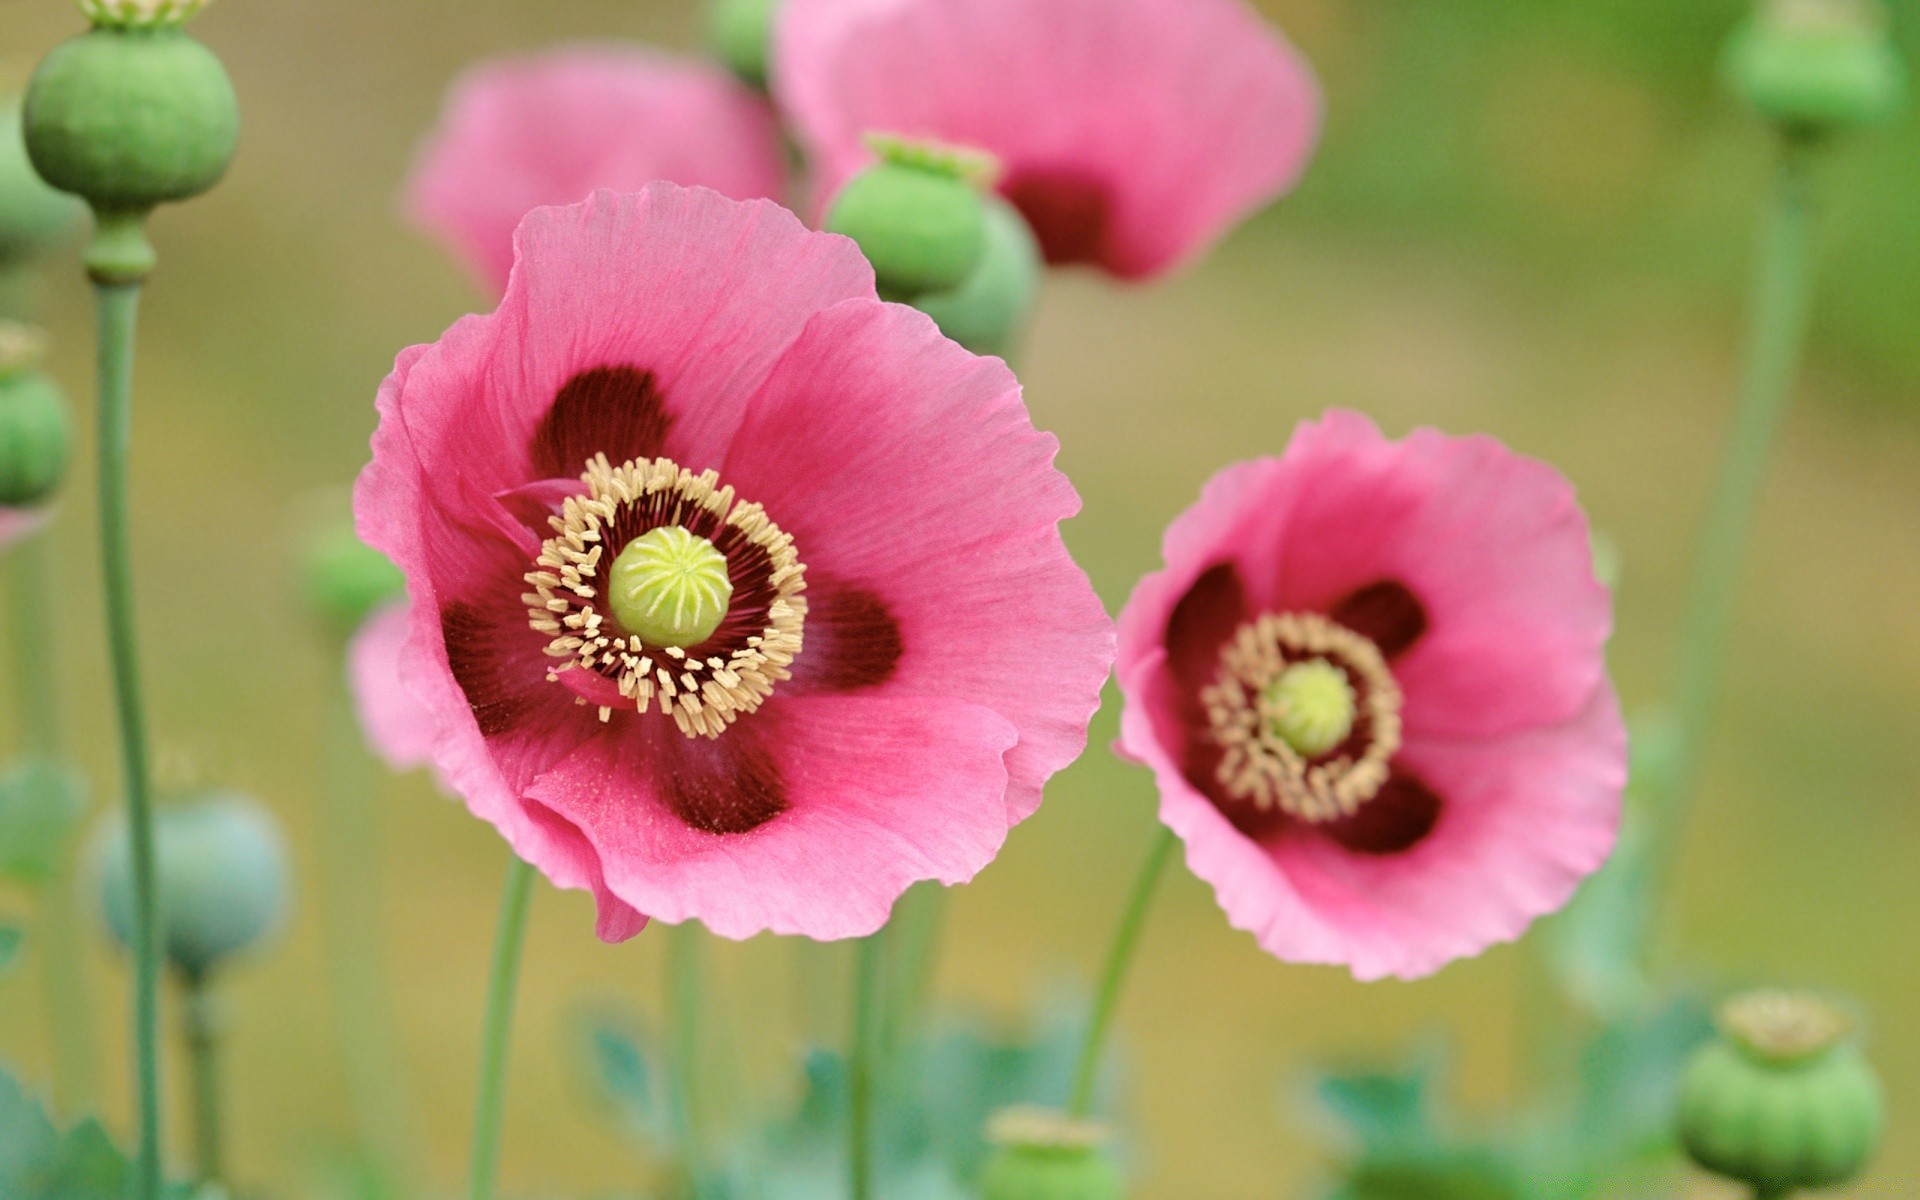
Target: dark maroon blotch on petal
[487,669]
[852,640]
[1387,613]
[615,411]
[1200,624]
[1398,818]
[730,785]
[1067,209]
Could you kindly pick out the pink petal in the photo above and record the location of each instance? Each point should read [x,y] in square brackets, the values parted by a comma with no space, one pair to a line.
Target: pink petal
[1170,120]
[17,523]
[398,727]
[552,127]
[1526,818]
[878,792]
[867,443]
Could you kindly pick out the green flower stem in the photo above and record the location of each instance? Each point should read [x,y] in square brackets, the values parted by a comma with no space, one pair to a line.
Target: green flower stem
[918,923]
[495,1034]
[870,962]
[685,987]
[1126,940]
[1781,301]
[200,1025]
[62,944]
[118,305]
[351,892]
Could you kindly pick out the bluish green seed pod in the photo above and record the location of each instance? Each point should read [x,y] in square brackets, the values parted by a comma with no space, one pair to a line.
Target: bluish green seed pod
[1817,66]
[988,313]
[128,118]
[741,34]
[222,879]
[345,579]
[35,432]
[1042,1155]
[1782,1099]
[34,218]
[918,215]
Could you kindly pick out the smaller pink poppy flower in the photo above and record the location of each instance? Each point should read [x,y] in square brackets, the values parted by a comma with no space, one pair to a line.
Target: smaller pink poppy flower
[1133,133]
[550,128]
[734,593]
[18,523]
[1370,684]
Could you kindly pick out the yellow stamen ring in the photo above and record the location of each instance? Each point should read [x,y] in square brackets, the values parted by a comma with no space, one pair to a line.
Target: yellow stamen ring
[1251,715]
[704,693]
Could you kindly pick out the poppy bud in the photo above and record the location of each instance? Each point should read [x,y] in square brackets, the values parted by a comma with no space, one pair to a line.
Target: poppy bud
[1817,66]
[918,215]
[988,313]
[222,879]
[1044,1155]
[1783,1098]
[346,579]
[34,429]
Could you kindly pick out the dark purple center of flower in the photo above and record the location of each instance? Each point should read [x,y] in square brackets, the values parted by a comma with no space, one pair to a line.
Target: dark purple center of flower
[1401,809]
[1069,211]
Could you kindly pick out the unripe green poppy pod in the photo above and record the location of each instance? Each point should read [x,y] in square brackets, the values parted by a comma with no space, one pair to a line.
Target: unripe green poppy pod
[345,579]
[1817,66]
[1783,1098]
[34,218]
[130,117]
[35,431]
[741,34]
[1045,1155]
[918,215]
[989,312]
[222,867]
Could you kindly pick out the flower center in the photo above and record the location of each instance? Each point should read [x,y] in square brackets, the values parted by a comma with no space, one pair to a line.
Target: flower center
[669,587]
[701,609]
[1307,716]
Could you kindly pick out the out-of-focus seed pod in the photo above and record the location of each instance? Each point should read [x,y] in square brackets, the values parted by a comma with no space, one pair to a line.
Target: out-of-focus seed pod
[1045,1155]
[1817,66]
[918,215]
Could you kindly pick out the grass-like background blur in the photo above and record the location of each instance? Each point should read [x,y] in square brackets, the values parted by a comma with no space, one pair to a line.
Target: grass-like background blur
[1531,219]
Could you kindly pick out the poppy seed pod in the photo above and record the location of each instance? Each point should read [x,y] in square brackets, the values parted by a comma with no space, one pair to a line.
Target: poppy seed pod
[1783,1098]
[1044,1155]
[988,313]
[917,214]
[346,579]
[1817,66]
[741,34]
[34,218]
[222,879]
[34,429]
[130,117]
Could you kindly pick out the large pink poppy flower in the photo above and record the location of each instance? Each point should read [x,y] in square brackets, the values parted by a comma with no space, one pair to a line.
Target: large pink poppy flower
[904,651]
[1371,688]
[551,128]
[1133,133]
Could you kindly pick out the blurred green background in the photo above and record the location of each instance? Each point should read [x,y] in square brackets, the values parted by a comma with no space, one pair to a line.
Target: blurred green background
[1529,218]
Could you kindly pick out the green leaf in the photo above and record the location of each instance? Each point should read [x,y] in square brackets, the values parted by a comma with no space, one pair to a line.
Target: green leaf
[88,1166]
[41,806]
[620,1059]
[12,937]
[27,1140]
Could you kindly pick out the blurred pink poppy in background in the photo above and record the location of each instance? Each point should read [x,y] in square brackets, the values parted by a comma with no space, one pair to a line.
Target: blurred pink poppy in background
[1133,133]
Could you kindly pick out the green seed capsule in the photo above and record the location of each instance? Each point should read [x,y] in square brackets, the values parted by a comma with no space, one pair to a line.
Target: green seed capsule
[346,579]
[130,118]
[918,215]
[989,312]
[34,218]
[741,34]
[222,879]
[35,432]
[1817,66]
[1044,1155]
[1783,1099]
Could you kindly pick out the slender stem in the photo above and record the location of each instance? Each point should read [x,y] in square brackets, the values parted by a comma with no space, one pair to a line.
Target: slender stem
[917,925]
[200,1025]
[495,1034]
[1126,939]
[118,308]
[62,944]
[870,959]
[351,879]
[685,985]
[1777,334]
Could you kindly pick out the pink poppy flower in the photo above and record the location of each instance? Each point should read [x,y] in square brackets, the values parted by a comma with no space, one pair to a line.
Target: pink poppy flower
[398,727]
[1370,684]
[1133,133]
[17,523]
[552,127]
[878,648]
